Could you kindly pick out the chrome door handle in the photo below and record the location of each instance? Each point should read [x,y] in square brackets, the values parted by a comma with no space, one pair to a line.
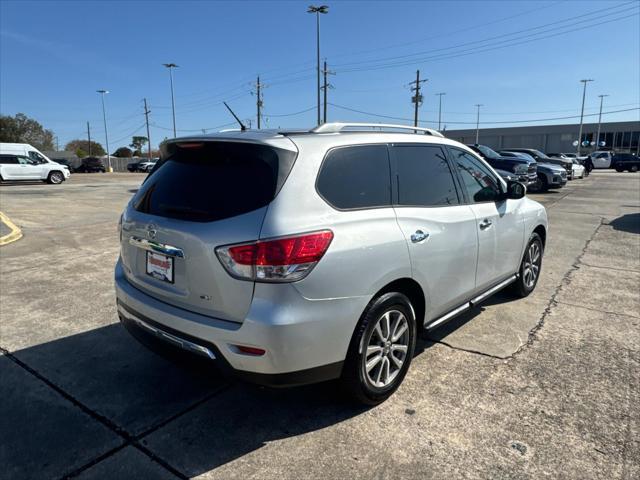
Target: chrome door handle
[486,223]
[419,236]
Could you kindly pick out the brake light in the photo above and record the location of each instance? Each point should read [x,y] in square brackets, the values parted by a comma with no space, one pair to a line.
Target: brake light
[279,260]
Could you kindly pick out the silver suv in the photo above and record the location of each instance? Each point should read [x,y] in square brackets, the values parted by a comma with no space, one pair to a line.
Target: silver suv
[291,257]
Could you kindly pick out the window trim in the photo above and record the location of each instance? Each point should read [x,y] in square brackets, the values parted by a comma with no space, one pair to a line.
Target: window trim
[355,209]
[395,200]
[468,201]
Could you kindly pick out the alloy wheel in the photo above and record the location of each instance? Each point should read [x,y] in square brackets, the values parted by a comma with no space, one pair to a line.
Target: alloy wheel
[531,267]
[387,349]
[56,177]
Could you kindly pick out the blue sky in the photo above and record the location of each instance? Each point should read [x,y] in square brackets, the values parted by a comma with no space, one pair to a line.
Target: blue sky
[522,60]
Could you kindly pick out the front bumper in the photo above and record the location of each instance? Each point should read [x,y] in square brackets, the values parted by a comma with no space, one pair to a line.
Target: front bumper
[306,341]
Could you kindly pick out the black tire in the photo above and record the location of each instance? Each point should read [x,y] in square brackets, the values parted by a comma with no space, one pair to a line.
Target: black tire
[619,168]
[522,287]
[355,379]
[55,177]
[542,184]
[634,168]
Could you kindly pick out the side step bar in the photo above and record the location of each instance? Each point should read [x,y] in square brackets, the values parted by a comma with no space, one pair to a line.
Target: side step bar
[471,303]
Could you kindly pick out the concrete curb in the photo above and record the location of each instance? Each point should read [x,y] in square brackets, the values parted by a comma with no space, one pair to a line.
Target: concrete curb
[16,233]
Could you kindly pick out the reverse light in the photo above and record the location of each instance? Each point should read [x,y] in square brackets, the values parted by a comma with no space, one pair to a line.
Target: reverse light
[286,259]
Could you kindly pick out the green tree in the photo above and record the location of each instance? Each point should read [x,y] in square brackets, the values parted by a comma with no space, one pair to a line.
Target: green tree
[22,129]
[123,152]
[81,147]
[138,142]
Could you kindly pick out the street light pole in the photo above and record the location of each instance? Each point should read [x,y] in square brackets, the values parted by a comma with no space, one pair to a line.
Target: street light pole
[478,105]
[599,121]
[171,66]
[318,11]
[584,94]
[440,108]
[104,118]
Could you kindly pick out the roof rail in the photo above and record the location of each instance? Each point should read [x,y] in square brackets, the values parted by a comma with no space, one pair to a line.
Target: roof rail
[337,127]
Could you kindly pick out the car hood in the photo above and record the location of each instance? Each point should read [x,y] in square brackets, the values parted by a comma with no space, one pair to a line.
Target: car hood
[550,166]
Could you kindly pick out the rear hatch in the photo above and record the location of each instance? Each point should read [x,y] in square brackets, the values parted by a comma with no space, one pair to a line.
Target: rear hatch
[204,194]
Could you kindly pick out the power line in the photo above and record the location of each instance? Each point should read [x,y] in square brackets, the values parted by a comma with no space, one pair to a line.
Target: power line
[481,123]
[290,114]
[568,19]
[479,49]
[455,32]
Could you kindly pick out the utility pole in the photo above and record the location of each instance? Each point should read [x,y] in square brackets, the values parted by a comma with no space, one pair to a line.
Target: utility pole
[89,138]
[599,121]
[325,87]
[171,66]
[440,108]
[478,105]
[57,144]
[259,95]
[106,135]
[146,118]
[417,98]
[318,11]
[584,94]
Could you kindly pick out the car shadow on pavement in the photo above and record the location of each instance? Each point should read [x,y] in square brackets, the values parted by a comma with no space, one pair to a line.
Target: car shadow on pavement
[70,400]
[455,323]
[627,223]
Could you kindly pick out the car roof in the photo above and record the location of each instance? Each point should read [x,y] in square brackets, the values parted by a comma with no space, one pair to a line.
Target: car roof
[326,136]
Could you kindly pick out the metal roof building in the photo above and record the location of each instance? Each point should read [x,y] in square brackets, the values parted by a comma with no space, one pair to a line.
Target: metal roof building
[619,136]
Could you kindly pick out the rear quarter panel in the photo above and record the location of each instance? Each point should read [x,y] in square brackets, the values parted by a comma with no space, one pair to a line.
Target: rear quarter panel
[368,249]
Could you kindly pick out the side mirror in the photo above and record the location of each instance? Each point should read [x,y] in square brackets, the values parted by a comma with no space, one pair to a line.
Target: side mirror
[515,190]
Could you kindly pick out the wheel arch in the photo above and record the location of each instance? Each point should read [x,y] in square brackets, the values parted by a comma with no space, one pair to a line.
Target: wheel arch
[413,291]
[542,231]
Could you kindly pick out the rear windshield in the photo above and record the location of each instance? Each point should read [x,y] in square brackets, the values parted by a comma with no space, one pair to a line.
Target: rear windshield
[208,181]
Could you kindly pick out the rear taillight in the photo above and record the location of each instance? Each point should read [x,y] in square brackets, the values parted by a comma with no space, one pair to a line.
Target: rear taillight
[284,259]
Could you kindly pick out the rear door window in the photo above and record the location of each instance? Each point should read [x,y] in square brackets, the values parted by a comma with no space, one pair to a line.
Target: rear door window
[8,160]
[423,176]
[209,181]
[356,177]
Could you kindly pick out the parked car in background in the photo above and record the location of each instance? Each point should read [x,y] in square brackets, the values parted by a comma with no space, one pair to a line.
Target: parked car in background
[20,167]
[147,166]
[538,156]
[548,174]
[523,169]
[507,176]
[91,165]
[602,159]
[65,162]
[625,161]
[577,169]
[134,166]
[337,249]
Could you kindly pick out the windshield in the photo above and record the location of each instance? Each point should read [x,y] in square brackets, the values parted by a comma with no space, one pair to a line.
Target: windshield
[538,153]
[487,152]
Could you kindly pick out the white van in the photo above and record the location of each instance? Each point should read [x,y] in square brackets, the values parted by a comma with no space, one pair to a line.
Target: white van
[21,161]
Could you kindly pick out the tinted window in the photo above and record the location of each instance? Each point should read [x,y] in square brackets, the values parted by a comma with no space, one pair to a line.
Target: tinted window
[210,181]
[8,159]
[424,177]
[36,157]
[480,183]
[356,177]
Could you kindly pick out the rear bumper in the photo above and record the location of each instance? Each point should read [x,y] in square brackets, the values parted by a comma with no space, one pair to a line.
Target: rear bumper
[306,341]
[177,346]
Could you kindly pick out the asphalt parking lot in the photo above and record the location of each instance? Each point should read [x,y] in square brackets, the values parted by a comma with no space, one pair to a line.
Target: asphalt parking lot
[545,386]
